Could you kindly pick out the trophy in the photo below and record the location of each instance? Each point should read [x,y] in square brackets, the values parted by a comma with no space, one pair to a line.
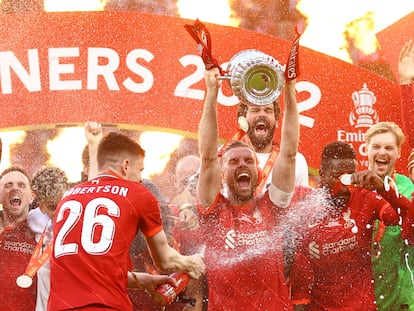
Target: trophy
[255,77]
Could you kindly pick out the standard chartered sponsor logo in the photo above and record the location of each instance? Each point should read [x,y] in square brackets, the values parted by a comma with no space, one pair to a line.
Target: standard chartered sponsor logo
[337,247]
[234,239]
[230,242]
[314,250]
[340,246]
[21,247]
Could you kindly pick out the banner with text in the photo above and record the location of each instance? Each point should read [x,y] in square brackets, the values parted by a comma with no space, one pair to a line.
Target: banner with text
[132,68]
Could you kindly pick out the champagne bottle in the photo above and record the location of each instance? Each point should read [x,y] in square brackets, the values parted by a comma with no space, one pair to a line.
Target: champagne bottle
[168,292]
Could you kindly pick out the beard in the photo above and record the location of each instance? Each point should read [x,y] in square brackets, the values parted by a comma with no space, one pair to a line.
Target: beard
[244,197]
[240,195]
[261,142]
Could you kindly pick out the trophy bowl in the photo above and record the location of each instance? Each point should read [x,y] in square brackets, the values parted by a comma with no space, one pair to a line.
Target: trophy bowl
[255,77]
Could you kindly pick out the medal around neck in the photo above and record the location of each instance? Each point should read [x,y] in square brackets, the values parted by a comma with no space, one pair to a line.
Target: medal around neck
[24,281]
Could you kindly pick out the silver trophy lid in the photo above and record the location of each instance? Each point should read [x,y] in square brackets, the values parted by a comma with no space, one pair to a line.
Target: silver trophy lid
[255,77]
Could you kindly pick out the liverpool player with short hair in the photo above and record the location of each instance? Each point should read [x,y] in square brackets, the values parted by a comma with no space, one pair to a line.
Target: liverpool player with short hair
[94,226]
[17,242]
[244,254]
[337,242]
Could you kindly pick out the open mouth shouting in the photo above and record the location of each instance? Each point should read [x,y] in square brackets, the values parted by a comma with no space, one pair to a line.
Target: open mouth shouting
[381,165]
[261,133]
[243,180]
[15,201]
[261,128]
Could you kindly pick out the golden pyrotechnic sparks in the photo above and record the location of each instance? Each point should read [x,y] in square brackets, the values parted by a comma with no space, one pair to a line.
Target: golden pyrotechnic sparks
[8,140]
[328,20]
[362,33]
[66,148]
[74,5]
[212,11]
[65,151]
[158,148]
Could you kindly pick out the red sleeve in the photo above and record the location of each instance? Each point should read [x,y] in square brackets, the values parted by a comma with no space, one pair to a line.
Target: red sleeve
[385,212]
[149,208]
[407,110]
[399,202]
[389,216]
[407,231]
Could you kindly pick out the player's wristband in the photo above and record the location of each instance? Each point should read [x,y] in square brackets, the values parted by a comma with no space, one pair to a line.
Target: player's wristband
[279,197]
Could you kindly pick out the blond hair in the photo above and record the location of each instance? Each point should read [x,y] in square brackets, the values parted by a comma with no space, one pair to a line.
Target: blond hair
[49,184]
[386,127]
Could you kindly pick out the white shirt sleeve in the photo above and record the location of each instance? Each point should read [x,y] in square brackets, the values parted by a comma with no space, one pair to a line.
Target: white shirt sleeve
[278,197]
[301,171]
[37,222]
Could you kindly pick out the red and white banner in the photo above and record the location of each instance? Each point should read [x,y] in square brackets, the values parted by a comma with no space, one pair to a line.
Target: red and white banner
[132,68]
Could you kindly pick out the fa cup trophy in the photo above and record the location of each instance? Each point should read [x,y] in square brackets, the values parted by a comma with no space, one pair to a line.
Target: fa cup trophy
[255,77]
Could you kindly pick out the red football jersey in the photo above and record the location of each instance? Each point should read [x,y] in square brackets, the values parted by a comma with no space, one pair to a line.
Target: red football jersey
[244,257]
[94,226]
[337,272]
[16,248]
